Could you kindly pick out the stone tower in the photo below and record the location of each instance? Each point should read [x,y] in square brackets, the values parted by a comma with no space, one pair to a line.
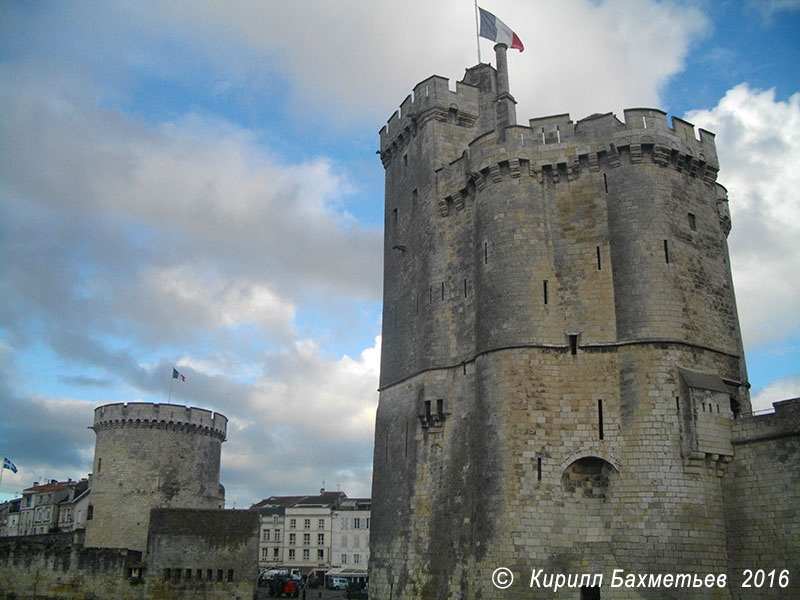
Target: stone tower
[151,456]
[561,356]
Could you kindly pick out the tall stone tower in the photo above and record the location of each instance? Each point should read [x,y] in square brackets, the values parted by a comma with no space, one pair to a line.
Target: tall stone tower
[151,456]
[561,354]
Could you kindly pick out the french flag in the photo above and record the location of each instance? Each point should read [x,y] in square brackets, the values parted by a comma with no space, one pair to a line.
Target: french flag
[177,375]
[494,29]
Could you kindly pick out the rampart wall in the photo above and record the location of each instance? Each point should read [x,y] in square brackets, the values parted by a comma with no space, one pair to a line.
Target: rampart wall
[59,566]
[762,492]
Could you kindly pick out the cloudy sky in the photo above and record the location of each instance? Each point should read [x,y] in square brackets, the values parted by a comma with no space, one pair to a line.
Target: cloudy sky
[195,184]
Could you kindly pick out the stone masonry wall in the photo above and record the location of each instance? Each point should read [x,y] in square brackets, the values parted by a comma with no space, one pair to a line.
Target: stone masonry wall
[544,291]
[56,566]
[762,500]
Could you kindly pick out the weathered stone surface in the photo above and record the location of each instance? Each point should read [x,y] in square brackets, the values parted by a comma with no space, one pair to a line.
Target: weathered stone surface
[550,275]
[151,456]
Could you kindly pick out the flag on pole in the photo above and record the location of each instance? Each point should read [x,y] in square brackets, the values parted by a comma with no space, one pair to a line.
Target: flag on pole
[176,374]
[7,464]
[494,29]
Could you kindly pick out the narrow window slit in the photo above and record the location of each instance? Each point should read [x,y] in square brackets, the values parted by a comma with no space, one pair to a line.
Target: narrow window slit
[539,468]
[544,290]
[599,264]
[666,252]
[600,418]
[605,182]
[573,343]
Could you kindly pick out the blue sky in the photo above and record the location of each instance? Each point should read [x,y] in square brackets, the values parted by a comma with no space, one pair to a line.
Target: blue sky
[196,184]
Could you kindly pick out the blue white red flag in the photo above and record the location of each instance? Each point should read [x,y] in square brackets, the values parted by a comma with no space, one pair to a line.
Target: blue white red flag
[177,375]
[494,29]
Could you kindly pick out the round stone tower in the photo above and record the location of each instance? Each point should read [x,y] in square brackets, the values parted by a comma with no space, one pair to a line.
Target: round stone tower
[561,355]
[150,456]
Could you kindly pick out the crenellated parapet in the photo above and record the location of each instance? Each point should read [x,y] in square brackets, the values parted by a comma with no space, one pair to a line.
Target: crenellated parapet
[171,417]
[554,149]
[431,99]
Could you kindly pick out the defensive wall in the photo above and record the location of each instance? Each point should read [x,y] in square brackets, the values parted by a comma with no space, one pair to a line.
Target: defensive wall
[762,507]
[151,456]
[59,566]
[192,555]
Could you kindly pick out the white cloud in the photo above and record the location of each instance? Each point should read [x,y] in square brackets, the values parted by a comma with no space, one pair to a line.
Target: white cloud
[758,142]
[780,389]
[349,61]
[329,398]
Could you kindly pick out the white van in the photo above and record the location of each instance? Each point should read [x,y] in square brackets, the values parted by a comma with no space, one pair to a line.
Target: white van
[339,583]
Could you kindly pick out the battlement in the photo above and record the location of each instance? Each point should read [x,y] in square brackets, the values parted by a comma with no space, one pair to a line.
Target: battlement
[431,98]
[163,416]
[672,140]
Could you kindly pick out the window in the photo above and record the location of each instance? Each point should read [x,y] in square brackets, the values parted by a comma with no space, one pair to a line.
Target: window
[320,554]
[356,523]
[307,524]
[219,574]
[367,522]
[90,513]
[321,524]
[277,535]
[692,222]
[573,343]
[188,576]
[306,554]
[344,541]
[344,559]
[356,558]
[230,574]
[306,539]
[320,539]
[266,535]
[210,574]
[292,539]
[291,553]
[167,573]
[275,553]
[264,553]
[292,523]
[274,519]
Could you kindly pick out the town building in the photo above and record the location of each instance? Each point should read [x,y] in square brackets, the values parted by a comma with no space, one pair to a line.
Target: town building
[563,385]
[313,534]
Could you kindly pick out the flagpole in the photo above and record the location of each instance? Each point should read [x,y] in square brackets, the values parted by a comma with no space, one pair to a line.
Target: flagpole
[477,32]
[171,378]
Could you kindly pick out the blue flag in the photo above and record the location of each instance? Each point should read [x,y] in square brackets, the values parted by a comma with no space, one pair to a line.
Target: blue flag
[7,464]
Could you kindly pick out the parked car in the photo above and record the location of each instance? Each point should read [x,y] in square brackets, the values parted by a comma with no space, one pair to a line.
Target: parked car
[339,583]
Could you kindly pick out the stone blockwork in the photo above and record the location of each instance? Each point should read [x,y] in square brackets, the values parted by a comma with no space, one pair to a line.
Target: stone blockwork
[151,456]
[762,499]
[562,361]
[59,566]
[203,553]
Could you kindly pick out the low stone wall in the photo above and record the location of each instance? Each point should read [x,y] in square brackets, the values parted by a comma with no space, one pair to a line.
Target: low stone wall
[58,566]
[762,502]
[193,555]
